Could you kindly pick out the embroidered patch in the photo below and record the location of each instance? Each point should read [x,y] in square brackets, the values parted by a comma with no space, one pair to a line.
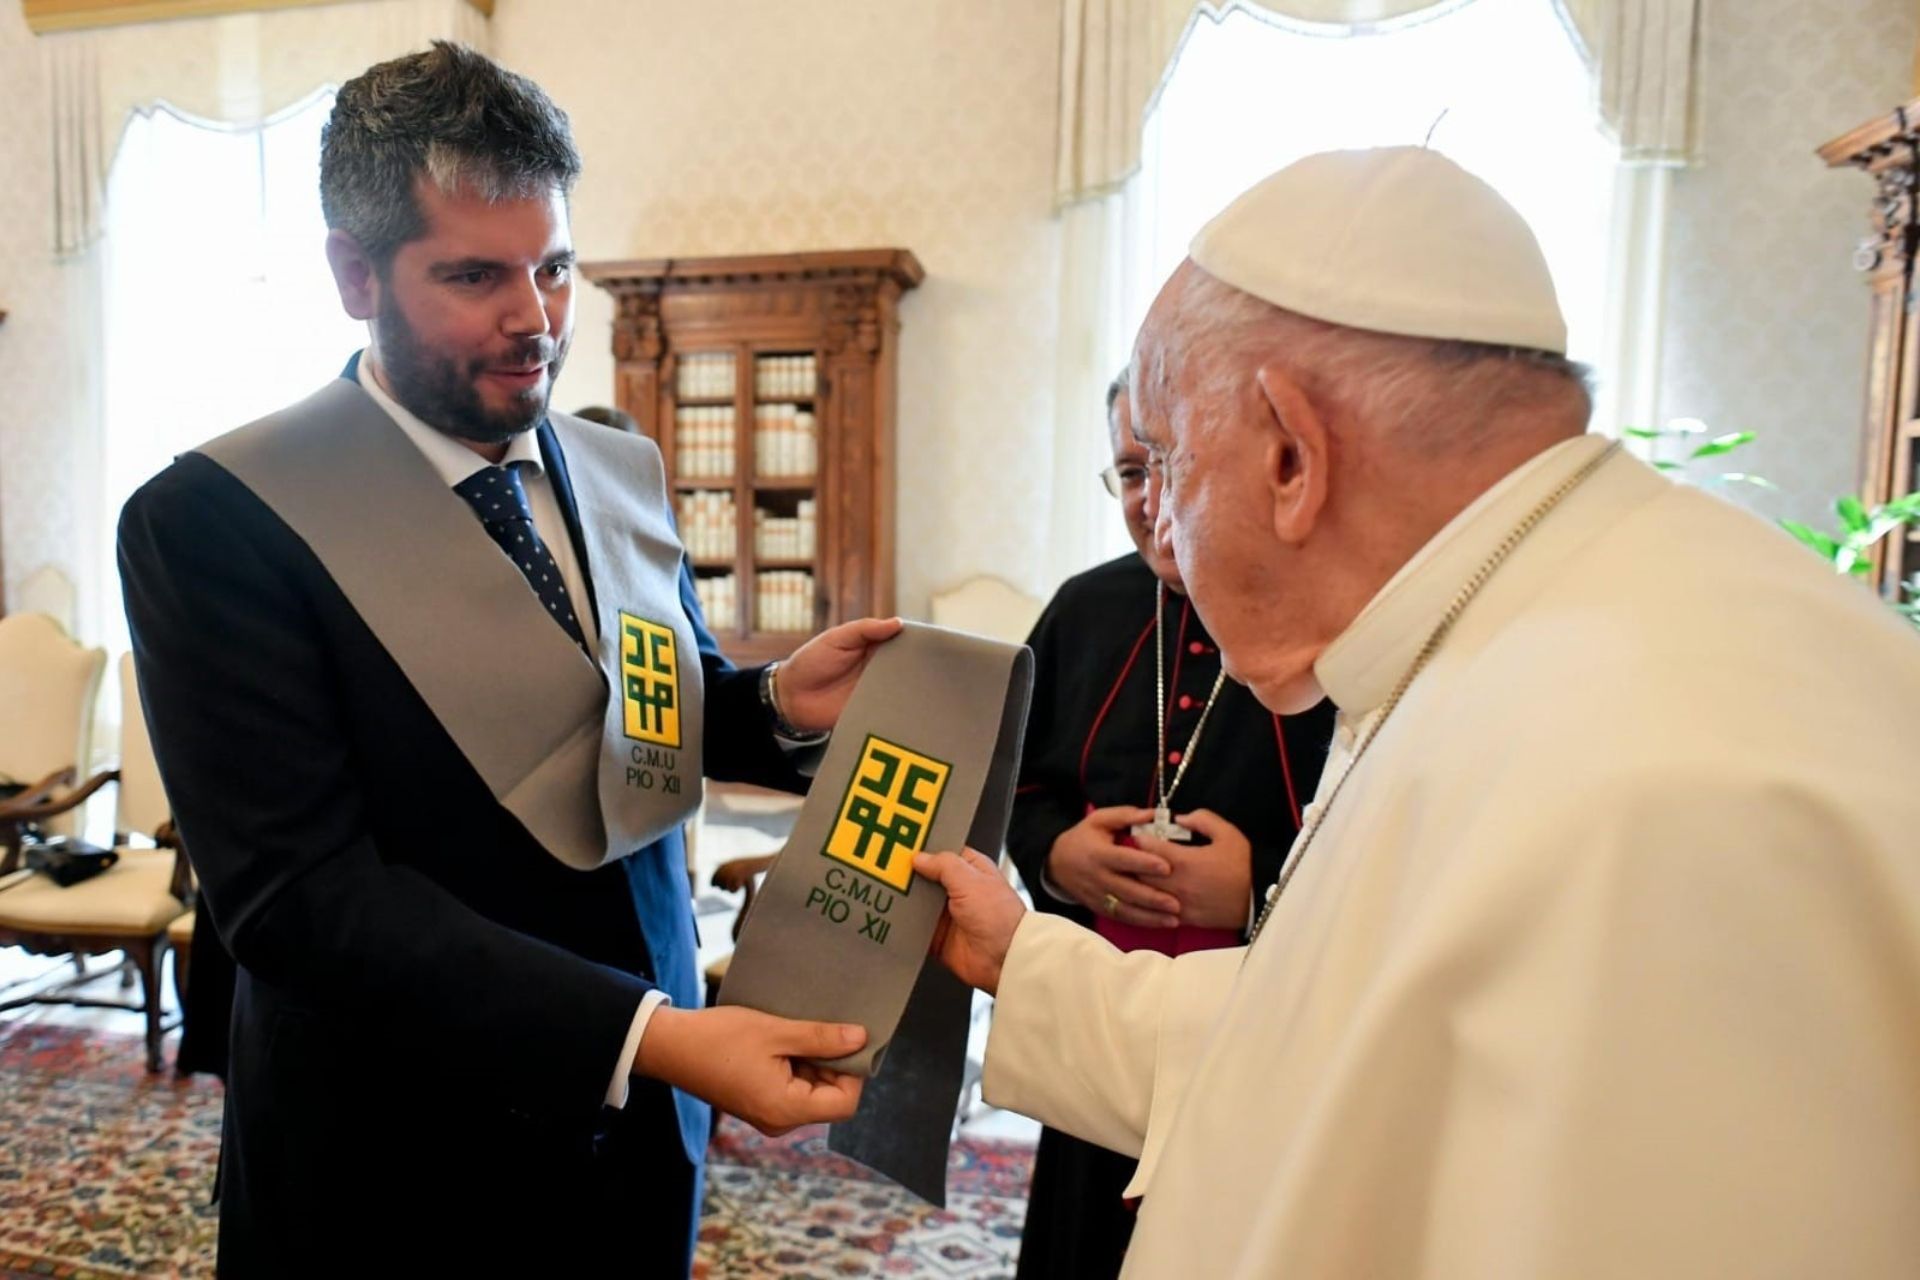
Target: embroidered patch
[649,681]
[887,811]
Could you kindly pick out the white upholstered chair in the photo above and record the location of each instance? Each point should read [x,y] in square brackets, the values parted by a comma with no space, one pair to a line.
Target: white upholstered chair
[129,907]
[48,685]
[49,591]
[988,607]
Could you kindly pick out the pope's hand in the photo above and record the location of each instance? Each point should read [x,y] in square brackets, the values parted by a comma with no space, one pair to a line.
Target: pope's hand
[982,912]
[1213,883]
[1090,865]
[814,684]
[752,1064]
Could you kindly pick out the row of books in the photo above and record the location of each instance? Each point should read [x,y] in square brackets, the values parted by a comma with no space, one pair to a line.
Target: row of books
[782,601]
[709,523]
[708,375]
[785,537]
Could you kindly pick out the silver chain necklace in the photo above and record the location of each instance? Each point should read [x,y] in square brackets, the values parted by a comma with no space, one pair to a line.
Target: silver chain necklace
[1163,825]
[1427,650]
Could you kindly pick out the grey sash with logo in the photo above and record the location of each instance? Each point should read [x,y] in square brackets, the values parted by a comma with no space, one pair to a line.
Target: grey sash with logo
[595,761]
[924,758]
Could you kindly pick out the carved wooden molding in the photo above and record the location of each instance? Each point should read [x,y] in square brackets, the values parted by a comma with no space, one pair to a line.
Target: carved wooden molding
[869,265]
[72,15]
[1888,150]
[636,325]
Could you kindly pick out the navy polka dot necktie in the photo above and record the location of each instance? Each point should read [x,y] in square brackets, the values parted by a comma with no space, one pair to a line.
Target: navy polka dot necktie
[500,500]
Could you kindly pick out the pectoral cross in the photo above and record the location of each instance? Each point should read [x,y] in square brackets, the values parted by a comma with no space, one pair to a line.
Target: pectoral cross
[1163,827]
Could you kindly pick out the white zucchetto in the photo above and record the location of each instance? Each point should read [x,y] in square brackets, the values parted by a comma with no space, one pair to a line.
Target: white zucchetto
[1396,240]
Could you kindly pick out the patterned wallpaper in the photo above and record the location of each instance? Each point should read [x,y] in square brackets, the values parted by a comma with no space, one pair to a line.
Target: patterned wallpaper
[40,466]
[779,125]
[1766,320]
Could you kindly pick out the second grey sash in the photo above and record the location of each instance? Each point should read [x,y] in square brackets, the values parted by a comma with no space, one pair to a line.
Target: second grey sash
[923,759]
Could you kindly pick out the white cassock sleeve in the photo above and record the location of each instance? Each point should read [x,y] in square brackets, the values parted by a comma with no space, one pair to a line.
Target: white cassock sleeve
[1098,1042]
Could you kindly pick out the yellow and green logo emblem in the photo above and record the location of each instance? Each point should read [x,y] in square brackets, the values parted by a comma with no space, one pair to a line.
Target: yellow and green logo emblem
[649,681]
[888,811]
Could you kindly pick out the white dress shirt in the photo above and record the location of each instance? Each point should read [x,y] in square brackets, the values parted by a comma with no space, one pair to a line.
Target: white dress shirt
[456,462]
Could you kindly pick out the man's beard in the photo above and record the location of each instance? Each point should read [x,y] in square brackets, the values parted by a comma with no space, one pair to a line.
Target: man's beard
[445,393]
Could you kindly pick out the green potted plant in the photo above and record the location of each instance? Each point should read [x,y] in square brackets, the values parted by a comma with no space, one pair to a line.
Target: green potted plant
[1684,443]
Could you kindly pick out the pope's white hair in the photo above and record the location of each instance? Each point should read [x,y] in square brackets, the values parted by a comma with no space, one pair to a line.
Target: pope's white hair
[1427,394]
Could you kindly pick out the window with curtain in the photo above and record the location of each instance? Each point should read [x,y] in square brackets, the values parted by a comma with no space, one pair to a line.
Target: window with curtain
[1498,85]
[218,305]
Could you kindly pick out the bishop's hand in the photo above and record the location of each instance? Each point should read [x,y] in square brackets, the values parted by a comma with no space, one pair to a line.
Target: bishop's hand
[983,911]
[1213,883]
[1090,865]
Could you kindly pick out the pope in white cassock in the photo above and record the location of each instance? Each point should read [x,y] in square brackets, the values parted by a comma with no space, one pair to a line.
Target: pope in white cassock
[1599,955]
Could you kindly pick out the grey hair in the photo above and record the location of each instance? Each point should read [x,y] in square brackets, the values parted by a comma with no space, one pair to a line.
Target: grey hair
[466,123]
[1422,391]
[1116,389]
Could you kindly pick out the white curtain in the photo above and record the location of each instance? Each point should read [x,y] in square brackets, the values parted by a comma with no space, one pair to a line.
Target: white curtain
[1100,240]
[1519,111]
[181,257]
[1115,54]
[240,69]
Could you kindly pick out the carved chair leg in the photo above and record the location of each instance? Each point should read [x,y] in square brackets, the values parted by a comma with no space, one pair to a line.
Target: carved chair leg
[80,964]
[128,971]
[181,952]
[147,955]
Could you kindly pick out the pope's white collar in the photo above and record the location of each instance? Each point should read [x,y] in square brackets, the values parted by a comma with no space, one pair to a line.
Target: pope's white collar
[1359,669]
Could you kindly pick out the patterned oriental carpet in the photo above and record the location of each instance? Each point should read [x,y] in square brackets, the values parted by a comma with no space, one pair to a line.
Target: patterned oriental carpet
[105,1171]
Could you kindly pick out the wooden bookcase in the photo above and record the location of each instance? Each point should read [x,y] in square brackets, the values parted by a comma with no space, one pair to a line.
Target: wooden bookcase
[1888,148]
[770,384]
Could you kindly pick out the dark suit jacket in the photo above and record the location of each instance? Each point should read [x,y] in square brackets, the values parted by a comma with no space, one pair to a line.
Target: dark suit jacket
[428,1005]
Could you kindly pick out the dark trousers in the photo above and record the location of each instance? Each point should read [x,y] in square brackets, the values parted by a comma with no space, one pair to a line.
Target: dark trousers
[1078,1227]
[360,1177]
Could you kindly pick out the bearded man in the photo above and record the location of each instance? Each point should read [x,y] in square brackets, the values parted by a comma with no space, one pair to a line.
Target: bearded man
[431,695]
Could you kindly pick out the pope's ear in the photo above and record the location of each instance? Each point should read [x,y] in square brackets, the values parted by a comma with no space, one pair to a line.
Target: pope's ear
[353,275]
[1295,459]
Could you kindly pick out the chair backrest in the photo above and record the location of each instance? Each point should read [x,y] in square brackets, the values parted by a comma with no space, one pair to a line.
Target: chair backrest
[48,684]
[142,806]
[989,607]
[47,590]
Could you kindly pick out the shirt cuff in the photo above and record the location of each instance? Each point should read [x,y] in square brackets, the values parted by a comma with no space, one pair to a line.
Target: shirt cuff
[1053,890]
[623,1070]
[804,754]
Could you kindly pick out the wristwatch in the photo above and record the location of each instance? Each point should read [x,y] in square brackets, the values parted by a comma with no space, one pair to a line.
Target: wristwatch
[781,725]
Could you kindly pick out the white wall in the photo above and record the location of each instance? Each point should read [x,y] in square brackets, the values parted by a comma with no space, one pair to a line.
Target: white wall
[41,472]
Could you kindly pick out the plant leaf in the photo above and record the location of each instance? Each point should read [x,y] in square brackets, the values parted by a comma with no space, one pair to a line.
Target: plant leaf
[1853,516]
[1641,433]
[1741,477]
[1820,542]
[1660,465]
[1721,444]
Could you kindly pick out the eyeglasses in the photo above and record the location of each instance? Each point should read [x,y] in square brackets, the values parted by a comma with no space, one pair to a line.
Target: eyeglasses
[1118,479]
